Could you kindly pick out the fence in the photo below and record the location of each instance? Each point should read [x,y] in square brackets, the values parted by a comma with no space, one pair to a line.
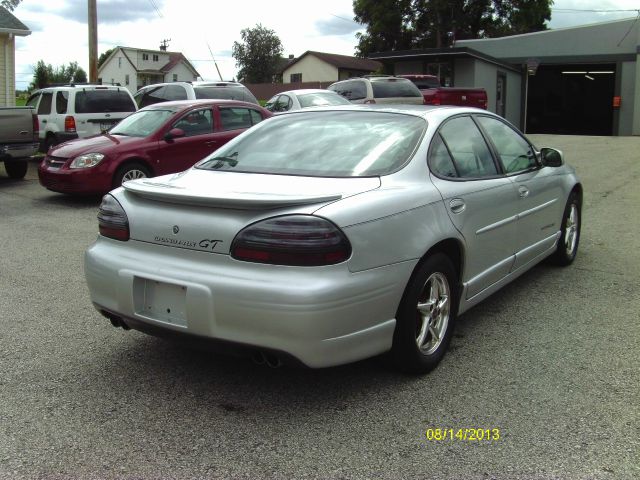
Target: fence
[264,91]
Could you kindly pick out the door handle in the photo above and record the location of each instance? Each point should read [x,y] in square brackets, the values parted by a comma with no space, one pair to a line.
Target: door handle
[523,191]
[457,205]
[210,143]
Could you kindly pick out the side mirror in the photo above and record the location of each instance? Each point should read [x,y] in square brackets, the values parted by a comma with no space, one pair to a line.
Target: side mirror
[551,157]
[174,133]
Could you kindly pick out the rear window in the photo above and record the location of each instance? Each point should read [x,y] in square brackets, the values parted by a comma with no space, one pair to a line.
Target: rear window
[100,101]
[394,88]
[351,90]
[319,99]
[225,93]
[323,144]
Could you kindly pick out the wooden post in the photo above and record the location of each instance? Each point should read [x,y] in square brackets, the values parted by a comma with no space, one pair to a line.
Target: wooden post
[93,42]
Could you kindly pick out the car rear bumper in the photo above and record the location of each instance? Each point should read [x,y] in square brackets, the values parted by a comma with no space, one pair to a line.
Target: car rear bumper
[322,316]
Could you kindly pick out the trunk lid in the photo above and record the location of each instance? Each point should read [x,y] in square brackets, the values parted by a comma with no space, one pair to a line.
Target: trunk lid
[204,210]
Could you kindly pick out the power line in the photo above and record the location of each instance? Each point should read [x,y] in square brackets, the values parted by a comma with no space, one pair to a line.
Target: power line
[155,7]
[582,10]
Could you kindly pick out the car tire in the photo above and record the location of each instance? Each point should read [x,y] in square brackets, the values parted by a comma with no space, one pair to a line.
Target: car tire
[49,141]
[426,316]
[567,248]
[130,171]
[16,169]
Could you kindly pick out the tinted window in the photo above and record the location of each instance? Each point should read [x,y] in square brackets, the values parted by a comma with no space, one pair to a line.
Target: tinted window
[33,100]
[45,104]
[324,144]
[426,83]
[351,90]
[439,159]
[255,117]
[394,88]
[228,93]
[98,101]
[197,122]
[62,99]
[515,152]
[234,118]
[319,99]
[150,96]
[174,92]
[469,150]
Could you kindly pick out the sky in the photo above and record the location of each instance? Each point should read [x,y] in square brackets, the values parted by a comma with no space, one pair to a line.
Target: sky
[204,30]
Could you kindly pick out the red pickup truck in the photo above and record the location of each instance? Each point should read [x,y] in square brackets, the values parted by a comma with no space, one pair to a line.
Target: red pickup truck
[434,94]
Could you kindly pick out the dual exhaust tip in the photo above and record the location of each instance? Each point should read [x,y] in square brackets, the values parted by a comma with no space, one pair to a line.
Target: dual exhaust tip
[259,357]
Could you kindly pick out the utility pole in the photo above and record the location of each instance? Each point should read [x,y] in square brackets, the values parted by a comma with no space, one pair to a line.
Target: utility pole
[93,42]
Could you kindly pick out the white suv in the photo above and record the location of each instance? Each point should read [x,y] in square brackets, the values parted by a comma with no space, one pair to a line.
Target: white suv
[78,111]
[164,92]
[378,89]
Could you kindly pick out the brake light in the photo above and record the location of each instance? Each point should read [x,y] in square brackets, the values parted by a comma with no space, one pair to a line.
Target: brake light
[69,124]
[36,126]
[112,219]
[369,101]
[297,240]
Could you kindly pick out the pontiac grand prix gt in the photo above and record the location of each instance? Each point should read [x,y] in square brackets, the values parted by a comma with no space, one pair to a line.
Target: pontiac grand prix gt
[331,235]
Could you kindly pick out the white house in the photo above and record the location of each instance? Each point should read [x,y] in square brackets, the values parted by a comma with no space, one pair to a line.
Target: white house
[137,67]
[10,27]
[326,67]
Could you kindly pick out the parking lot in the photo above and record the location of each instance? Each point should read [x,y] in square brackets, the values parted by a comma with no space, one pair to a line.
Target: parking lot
[551,362]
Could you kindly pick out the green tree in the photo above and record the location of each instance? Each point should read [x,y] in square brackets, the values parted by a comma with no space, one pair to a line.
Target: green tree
[437,23]
[45,74]
[103,56]
[10,4]
[258,55]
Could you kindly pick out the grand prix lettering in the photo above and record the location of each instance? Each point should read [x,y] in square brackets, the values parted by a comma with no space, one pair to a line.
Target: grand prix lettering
[205,243]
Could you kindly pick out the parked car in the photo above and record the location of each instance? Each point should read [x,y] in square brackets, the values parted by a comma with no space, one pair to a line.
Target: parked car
[378,89]
[78,111]
[435,94]
[334,234]
[164,92]
[18,139]
[304,98]
[156,140]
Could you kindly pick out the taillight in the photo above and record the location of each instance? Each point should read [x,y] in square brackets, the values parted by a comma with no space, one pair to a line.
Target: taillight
[369,101]
[69,124]
[300,240]
[36,126]
[112,219]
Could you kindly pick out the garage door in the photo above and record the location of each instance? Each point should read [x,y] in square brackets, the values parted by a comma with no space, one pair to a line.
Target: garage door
[571,99]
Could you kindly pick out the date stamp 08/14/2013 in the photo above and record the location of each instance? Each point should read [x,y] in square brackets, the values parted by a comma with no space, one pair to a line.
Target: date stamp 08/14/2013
[463,434]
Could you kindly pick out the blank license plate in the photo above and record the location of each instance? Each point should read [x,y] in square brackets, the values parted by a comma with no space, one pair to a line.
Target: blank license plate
[104,126]
[165,302]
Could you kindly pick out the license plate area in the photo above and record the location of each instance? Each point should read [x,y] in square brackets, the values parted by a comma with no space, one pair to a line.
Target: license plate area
[104,126]
[160,301]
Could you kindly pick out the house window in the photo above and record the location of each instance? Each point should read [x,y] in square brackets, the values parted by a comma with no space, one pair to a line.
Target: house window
[295,77]
[119,62]
[145,56]
[155,58]
[126,79]
[175,77]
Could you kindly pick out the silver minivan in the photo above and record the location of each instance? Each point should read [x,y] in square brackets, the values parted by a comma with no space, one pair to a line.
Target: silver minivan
[378,89]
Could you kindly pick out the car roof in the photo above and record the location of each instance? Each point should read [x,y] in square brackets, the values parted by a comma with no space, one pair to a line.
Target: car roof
[195,84]
[82,87]
[184,104]
[423,111]
[304,91]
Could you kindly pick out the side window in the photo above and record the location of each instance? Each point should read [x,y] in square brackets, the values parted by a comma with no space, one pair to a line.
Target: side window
[33,100]
[439,159]
[62,100]
[351,90]
[255,117]
[198,122]
[284,103]
[174,92]
[234,118]
[45,104]
[515,152]
[466,145]
[151,96]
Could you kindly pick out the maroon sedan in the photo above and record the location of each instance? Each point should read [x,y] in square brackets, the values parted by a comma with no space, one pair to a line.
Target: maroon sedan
[162,138]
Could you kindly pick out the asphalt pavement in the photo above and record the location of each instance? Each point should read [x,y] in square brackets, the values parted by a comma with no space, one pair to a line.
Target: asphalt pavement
[551,363]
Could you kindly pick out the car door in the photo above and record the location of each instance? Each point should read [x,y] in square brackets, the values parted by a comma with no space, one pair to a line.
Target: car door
[479,200]
[539,199]
[180,153]
[33,101]
[45,117]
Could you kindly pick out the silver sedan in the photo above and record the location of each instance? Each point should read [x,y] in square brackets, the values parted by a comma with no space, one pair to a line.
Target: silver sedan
[304,98]
[331,235]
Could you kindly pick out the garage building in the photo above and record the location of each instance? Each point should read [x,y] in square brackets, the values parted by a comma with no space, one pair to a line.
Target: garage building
[580,80]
